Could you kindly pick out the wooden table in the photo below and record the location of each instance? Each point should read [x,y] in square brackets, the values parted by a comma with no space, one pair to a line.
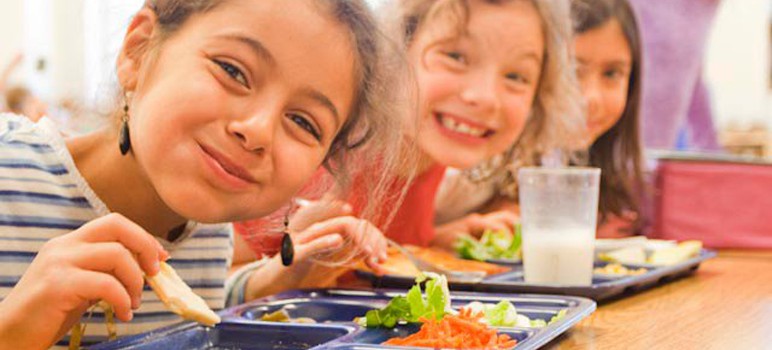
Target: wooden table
[726,304]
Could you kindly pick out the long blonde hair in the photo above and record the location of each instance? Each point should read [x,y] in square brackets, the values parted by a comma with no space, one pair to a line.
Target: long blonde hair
[555,123]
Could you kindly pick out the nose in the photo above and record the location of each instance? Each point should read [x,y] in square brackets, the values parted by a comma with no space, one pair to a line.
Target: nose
[592,96]
[481,90]
[256,132]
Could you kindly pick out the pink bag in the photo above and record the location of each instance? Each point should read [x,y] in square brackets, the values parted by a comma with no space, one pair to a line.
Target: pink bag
[724,204]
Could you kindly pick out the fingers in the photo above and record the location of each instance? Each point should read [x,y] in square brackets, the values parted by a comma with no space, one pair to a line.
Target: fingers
[361,234]
[91,285]
[112,258]
[317,246]
[506,216]
[116,228]
[496,221]
[326,227]
[374,238]
[317,211]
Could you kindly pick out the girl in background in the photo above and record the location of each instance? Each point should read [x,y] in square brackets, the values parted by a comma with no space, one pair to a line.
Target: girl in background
[608,51]
[543,92]
[484,71]
[222,119]
[608,55]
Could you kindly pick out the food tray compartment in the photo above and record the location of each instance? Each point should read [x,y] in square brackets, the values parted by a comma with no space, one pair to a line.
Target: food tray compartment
[232,335]
[603,287]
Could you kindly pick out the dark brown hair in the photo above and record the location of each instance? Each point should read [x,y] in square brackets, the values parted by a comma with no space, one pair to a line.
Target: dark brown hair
[618,152]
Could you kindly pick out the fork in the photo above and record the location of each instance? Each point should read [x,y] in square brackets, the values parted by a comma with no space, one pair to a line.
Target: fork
[423,265]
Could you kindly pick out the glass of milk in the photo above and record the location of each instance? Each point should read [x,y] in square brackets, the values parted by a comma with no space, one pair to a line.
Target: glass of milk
[559,209]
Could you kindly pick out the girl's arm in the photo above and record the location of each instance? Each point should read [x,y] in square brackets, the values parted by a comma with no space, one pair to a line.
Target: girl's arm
[242,253]
[618,226]
[346,237]
[105,259]
[6,73]
[322,226]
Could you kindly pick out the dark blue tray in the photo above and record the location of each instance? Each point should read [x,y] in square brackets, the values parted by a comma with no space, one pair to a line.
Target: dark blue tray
[603,287]
[335,310]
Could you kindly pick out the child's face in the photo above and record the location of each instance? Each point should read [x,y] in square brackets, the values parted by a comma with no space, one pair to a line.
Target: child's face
[604,64]
[241,106]
[476,90]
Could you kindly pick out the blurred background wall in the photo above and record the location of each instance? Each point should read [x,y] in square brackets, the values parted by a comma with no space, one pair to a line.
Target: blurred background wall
[69,48]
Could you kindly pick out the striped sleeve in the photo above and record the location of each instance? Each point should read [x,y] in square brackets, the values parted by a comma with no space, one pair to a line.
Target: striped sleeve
[43,196]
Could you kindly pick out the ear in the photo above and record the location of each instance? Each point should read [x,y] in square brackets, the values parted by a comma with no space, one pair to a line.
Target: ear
[135,48]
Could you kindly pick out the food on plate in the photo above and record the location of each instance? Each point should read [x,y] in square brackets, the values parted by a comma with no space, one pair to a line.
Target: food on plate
[618,269]
[399,264]
[666,253]
[462,331]
[631,255]
[680,253]
[432,303]
[179,298]
[504,314]
[492,245]
[282,315]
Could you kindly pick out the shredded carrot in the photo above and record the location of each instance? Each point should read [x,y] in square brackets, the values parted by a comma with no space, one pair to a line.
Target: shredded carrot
[456,332]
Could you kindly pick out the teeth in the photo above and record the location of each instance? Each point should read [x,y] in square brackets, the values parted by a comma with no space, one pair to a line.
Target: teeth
[461,127]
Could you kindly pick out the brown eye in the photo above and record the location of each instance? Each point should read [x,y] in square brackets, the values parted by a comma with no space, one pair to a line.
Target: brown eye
[516,77]
[305,125]
[613,74]
[456,56]
[233,72]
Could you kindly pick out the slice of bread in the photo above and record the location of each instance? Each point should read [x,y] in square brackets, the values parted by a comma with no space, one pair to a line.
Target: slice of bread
[179,298]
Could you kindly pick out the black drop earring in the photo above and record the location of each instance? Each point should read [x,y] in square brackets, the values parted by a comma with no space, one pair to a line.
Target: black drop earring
[124,142]
[287,247]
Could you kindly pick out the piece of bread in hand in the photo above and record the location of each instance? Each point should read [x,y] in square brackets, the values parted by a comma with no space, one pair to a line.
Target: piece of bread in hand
[179,298]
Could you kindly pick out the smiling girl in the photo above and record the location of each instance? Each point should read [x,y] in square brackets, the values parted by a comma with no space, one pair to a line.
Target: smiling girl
[228,108]
[486,71]
[607,49]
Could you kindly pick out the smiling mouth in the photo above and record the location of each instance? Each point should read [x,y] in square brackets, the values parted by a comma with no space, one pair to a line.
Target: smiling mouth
[228,166]
[459,127]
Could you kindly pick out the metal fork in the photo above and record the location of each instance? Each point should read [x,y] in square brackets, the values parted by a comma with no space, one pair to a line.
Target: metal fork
[423,265]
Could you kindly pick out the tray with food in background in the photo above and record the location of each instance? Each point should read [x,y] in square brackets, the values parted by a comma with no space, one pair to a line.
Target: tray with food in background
[426,315]
[622,266]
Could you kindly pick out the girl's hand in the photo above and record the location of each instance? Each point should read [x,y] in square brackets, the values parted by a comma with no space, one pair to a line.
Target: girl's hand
[105,259]
[474,225]
[311,212]
[618,226]
[339,236]
[344,234]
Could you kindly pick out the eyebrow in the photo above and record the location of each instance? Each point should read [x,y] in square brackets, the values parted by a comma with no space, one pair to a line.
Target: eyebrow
[260,50]
[324,101]
[255,45]
[533,56]
[616,63]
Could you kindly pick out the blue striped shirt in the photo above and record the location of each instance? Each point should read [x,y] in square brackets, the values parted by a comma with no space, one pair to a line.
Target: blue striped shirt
[42,196]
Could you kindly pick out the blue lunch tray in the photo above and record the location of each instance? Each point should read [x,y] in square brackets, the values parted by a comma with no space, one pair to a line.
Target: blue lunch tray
[335,310]
[603,287]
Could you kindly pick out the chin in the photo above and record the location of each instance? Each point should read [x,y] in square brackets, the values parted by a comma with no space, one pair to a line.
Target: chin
[199,206]
[210,213]
[458,161]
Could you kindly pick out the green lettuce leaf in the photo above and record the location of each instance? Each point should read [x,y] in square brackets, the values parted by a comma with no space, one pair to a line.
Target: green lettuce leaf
[434,302]
[492,245]
[502,314]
